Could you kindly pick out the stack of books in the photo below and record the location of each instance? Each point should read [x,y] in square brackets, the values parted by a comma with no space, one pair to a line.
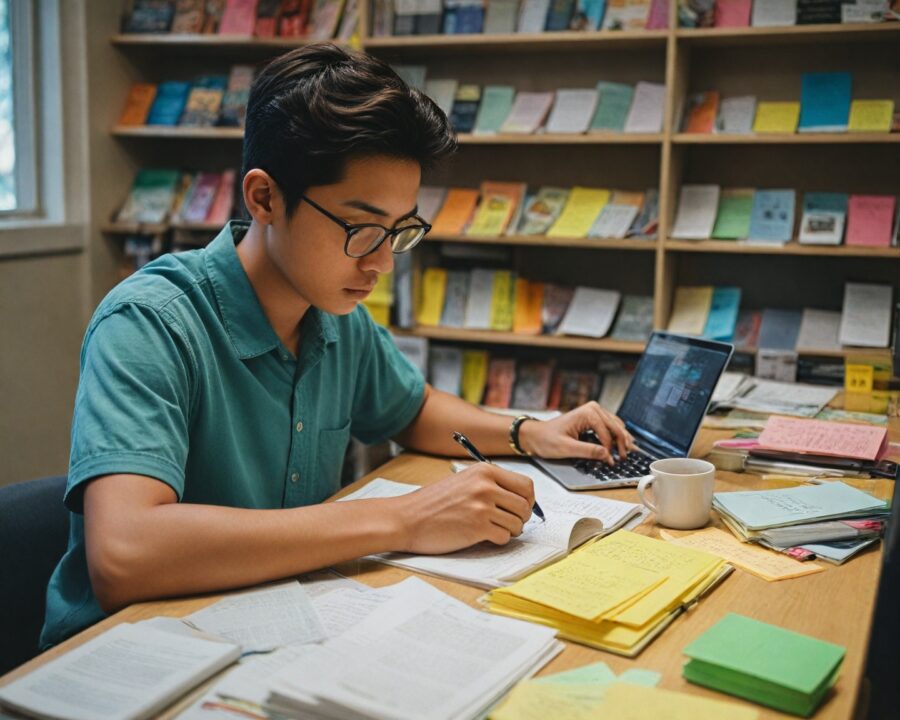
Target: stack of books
[764,663]
[615,594]
[773,13]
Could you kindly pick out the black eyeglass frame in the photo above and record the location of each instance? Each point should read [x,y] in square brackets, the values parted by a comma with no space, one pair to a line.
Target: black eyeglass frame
[351,229]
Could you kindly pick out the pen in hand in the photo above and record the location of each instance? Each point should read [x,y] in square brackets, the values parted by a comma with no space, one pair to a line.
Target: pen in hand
[475,453]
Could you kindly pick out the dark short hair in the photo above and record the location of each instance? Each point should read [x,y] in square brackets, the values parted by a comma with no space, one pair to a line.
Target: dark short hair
[312,109]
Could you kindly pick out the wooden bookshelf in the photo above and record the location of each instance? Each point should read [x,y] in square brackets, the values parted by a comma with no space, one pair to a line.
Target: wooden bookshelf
[493,337]
[563,139]
[168,41]
[178,132]
[549,242]
[786,139]
[518,42]
[791,248]
[833,33]
[157,228]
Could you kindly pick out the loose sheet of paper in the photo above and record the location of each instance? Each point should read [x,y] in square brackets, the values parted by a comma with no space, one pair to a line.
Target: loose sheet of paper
[625,701]
[782,397]
[822,437]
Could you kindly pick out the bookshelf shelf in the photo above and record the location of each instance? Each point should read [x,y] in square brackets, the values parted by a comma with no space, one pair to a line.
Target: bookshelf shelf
[520,42]
[564,139]
[178,131]
[787,139]
[157,228]
[552,242]
[493,337]
[163,41]
[789,34]
[791,248]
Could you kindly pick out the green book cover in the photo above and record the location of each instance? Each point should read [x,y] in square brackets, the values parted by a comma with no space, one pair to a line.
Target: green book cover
[496,102]
[612,107]
[764,663]
[733,218]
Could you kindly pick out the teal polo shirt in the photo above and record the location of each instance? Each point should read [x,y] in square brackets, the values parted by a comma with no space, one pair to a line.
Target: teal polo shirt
[184,380]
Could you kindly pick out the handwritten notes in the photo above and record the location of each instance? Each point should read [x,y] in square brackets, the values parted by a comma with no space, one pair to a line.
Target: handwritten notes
[820,437]
[757,560]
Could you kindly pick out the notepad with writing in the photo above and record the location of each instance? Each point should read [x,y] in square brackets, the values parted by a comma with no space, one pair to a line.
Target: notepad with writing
[571,521]
[764,663]
[820,437]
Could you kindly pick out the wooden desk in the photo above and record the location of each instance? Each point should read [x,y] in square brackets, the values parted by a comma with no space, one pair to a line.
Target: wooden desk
[835,605]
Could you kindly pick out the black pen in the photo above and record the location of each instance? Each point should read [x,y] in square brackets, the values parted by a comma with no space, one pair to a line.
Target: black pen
[470,448]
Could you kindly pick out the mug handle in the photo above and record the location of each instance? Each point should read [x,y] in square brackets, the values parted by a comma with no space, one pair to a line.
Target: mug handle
[642,487]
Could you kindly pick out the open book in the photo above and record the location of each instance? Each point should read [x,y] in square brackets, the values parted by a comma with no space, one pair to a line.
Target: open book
[571,521]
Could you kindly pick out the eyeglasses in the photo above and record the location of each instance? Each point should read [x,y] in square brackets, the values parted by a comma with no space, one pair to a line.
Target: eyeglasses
[366,238]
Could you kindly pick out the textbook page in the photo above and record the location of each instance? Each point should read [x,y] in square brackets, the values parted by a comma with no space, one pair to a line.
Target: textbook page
[130,672]
[262,620]
[572,519]
[423,654]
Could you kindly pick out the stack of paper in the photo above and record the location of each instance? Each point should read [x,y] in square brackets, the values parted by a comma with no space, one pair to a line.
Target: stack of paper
[615,594]
[764,663]
[420,654]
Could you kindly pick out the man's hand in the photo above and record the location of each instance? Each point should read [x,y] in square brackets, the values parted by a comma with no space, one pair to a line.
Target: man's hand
[483,502]
[559,438]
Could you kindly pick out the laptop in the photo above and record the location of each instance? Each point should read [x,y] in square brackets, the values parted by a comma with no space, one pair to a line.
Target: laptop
[663,408]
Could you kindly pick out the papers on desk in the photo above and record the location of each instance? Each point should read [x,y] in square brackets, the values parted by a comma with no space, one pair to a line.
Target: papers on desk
[820,437]
[770,396]
[571,520]
[764,663]
[615,594]
[127,673]
[421,655]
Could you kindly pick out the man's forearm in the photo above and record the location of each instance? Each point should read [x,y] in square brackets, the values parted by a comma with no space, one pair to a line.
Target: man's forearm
[442,414]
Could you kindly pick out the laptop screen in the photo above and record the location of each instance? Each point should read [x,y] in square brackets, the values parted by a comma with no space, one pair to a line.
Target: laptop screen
[671,389]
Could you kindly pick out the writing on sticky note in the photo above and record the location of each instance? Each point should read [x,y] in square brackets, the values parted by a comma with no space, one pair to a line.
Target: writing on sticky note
[821,437]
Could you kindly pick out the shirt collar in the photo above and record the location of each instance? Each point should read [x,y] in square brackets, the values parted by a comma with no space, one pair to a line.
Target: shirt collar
[245,322]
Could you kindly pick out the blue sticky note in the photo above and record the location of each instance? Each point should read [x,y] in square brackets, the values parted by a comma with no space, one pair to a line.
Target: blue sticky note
[825,102]
[772,219]
[723,312]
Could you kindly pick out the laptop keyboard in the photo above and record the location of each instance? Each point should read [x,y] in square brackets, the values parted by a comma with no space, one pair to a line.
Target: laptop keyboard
[634,465]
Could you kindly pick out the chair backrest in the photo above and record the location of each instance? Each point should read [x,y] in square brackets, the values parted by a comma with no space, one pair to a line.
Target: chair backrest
[34,529]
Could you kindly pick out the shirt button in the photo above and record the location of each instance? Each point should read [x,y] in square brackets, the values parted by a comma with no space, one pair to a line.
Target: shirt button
[295,477]
[299,426]
[284,356]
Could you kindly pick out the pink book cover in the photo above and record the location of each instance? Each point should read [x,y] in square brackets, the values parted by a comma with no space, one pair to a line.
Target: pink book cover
[201,198]
[658,19]
[870,220]
[239,18]
[220,211]
[733,13]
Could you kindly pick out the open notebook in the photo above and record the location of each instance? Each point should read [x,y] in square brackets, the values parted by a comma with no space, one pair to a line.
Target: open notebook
[571,521]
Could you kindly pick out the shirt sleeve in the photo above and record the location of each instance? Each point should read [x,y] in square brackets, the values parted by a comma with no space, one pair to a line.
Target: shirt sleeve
[133,402]
[389,391]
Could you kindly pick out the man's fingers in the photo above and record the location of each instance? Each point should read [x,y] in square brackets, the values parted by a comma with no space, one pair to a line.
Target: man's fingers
[591,451]
[512,482]
[614,429]
[509,522]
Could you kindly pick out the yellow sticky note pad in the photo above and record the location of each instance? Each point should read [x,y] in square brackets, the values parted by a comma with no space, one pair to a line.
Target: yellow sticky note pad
[776,117]
[871,116]
[624,701]
[767,564]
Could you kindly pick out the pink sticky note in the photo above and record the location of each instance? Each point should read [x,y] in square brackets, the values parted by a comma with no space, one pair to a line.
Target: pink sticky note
[870,219]
[821,437]
[733,13]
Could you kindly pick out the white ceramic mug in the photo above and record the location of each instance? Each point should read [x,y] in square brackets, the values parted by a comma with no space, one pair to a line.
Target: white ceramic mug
[682,492]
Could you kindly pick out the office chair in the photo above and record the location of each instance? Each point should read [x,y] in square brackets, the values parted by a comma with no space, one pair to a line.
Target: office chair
[34,530]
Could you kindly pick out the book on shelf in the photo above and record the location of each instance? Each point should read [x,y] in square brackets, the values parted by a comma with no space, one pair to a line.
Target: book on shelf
[700,112]
[658,16]
[412,75]
[503,298]
[733,216]
[491,216]
[150,197]
[532,385]
[613,102]
[528,306]
[590,312]
[646,223]
[204,101]
[496,102]
[542,210]
[169,103]
[213,11]
[348,27]
[819,330]
[149,16]
[733,13]
[445,366]
[572,389]
[501,378]
[462,17]
[772,218]
[572,112]
[456,211]
[870,220]
[865,11]
[267,12]
[239,17]
[581,210]
[556,302]
[746,330]
[588,15]
[223,201]
[776,117]
[442,91]
[404,17]
[871,116]
[434,286]
[382,18]
[429,201]
[137,104]
[626,14]
[559,15]
[866,315]
[825,101]
[823,219]
[404,307]
[294,19]
[532,16]
[182,191]
[696,13]
[237,93]
[618,215]
[690,309]
[723,313]
[200,197]
[779,329]
[326,14]
[736,115]
[480,299]
[465,107]
[646,112]
[414,349]
[774,13]
[528,112]
[634,321]
[501,17]
[818,12]
[697,209]
[474,375]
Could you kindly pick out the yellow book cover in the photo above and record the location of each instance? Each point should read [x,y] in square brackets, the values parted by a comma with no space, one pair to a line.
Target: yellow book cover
[871,116]
[383,293]
[528,305]
[455,212]
[502,300]
[434,285]
[380,313]
[491,217]
[474,375]
[776,117]
[691,309]
[582,208]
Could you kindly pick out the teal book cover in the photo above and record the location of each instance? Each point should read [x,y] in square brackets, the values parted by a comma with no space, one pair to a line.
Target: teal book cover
[496,102]
[613,105]
[772,218]
[825,102]
[171,98]
[723,313]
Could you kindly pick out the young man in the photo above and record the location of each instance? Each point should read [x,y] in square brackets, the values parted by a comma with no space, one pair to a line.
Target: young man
[219,387]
